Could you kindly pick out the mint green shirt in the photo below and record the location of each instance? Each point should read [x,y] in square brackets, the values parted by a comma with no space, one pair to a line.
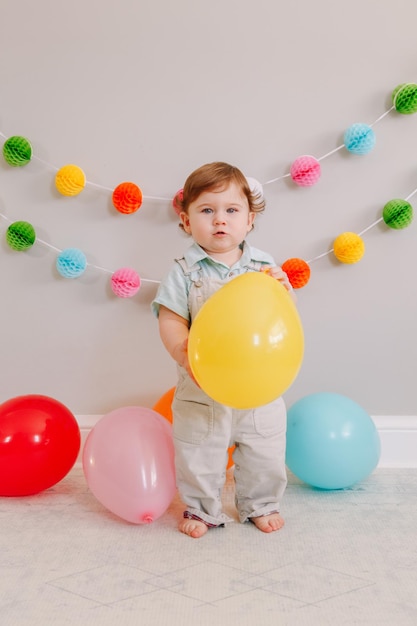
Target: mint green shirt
[175,287]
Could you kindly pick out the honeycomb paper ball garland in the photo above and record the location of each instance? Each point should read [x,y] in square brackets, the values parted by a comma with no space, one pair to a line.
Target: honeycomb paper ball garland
[20,236]
[17,151]
[127,198]
[305,171]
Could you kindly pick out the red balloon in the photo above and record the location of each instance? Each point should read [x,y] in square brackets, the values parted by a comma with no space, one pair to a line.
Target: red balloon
[39,443]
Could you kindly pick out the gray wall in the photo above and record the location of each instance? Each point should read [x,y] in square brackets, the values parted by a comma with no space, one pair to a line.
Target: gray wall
[146,91]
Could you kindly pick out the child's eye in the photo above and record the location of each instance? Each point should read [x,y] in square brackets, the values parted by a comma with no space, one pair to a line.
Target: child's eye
[231,209]
[207,210]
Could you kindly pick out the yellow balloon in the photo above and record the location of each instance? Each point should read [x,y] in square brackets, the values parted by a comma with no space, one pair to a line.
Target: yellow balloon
[246,343]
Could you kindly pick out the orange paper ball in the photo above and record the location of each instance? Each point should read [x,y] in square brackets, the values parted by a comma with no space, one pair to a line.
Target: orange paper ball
[70,180]
[127,198]
[348,248]
[298,272]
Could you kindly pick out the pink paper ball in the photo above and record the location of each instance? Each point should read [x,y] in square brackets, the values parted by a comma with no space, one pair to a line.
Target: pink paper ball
[125,282]
[305,171]
[176,202]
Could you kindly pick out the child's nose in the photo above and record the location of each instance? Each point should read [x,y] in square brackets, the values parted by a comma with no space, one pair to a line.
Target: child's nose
[220,219]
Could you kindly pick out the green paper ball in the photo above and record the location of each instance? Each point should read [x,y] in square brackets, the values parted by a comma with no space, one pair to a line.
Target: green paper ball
[404,98]
[17,151]
[20,236]
[397,214]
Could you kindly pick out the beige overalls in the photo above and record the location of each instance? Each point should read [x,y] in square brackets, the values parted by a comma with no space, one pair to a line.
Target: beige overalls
[204,430]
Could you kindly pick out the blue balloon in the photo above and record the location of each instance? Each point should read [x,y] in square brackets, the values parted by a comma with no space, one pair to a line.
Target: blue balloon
[332,442]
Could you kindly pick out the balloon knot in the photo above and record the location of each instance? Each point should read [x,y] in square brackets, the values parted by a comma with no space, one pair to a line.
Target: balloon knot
[147,519]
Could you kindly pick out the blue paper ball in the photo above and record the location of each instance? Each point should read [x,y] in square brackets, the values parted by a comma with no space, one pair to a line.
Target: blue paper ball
[359,139]
[332,442]
[71,263]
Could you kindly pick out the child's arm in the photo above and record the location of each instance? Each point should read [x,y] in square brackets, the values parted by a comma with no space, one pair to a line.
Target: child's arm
[174,331]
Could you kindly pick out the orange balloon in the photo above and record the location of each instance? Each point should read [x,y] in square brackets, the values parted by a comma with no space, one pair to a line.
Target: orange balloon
[163,407]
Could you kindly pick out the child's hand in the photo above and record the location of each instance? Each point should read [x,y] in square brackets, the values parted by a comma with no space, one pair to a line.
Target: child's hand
[182,358]
[279,274]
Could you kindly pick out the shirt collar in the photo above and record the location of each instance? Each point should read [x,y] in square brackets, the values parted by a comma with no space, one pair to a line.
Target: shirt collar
[195,253]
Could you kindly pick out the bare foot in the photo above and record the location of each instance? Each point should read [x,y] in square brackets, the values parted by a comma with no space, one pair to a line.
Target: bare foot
[193,528]
[268,523]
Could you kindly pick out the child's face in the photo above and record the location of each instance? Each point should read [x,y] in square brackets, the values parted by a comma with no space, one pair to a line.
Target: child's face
[219,220]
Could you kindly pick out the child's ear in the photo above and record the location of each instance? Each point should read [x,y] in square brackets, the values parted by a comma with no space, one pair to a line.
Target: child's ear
[185,220]
[251,220]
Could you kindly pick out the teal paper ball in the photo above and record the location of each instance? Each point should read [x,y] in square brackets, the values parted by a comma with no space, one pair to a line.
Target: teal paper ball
[71,263]
[359,139]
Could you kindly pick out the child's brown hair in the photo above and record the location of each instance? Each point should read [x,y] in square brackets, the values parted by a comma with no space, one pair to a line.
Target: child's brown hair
[217,176]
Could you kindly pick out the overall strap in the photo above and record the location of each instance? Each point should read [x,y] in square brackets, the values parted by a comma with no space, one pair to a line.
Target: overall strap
[256,266]
[193,272]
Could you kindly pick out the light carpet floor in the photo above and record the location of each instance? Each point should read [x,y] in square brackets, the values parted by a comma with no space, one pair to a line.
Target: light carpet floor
[344,557]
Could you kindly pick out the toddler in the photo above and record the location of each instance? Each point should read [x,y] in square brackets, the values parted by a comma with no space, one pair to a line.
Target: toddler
[218,210]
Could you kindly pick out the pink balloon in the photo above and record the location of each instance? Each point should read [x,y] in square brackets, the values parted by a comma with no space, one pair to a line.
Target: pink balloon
[128,462]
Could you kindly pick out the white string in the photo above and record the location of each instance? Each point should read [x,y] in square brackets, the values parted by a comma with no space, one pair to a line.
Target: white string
[273,180]
[371,226]
[88,182]
[102,269]
[52,167]
[157,198]
[320,256]
[330,153]
[382,116]
[48,245]
[411,194]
